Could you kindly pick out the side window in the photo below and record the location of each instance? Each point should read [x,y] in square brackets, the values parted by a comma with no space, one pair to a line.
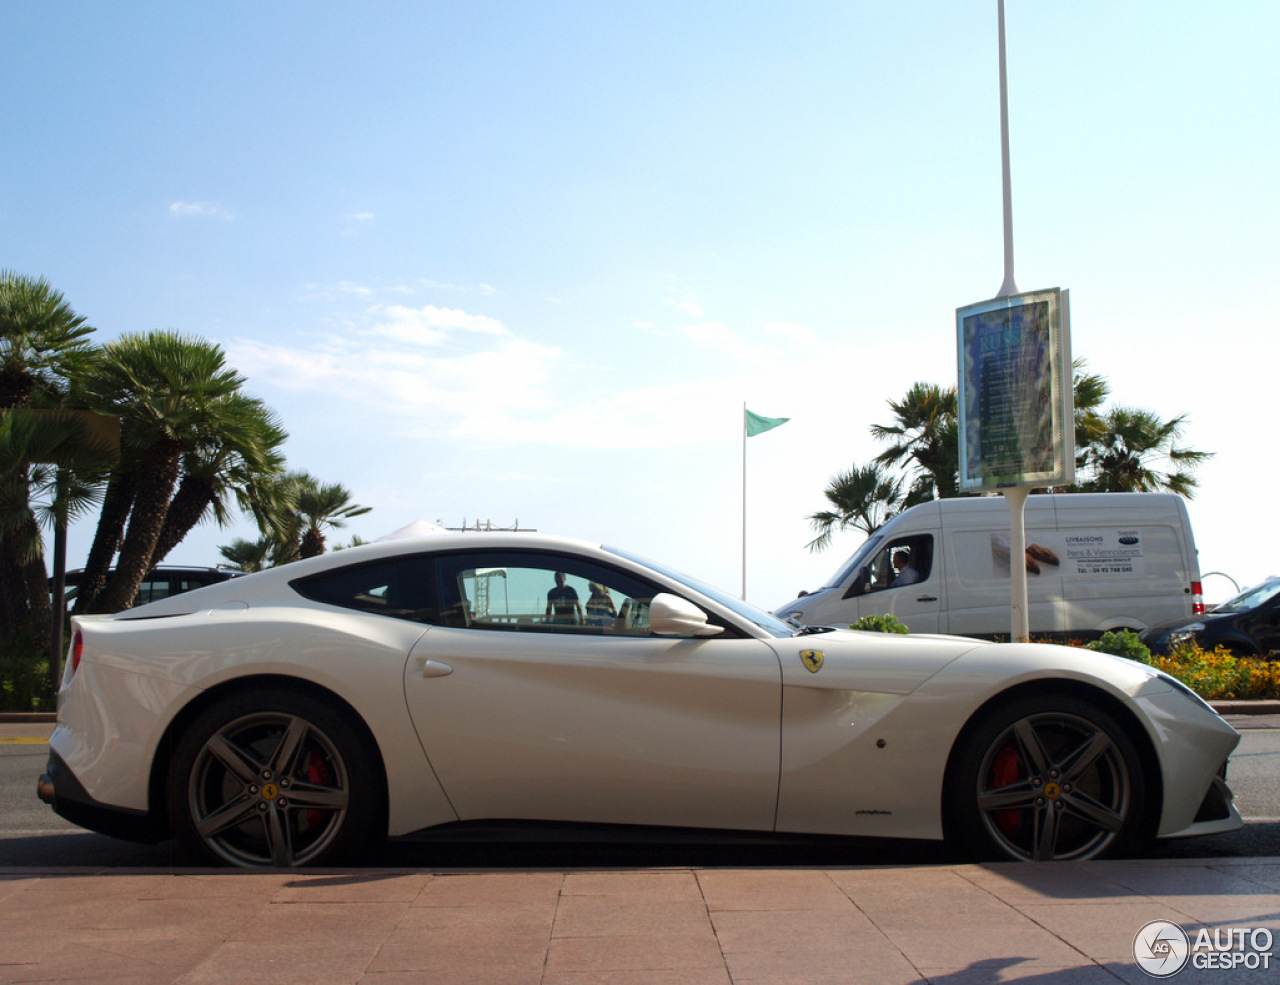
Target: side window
[529,591]
[153,588]
[903,561]
[402,588]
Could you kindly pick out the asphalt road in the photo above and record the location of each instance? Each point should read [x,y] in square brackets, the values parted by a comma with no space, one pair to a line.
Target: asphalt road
[32,835]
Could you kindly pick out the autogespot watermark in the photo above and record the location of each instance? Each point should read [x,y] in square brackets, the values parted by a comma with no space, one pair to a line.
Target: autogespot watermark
[1162,949]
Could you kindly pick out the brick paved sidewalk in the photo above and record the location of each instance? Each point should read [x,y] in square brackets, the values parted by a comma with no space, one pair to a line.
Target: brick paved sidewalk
[1046,924]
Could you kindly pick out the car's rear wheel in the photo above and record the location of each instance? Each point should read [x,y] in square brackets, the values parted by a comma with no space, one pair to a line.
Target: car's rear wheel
[1047,778]
[273,778]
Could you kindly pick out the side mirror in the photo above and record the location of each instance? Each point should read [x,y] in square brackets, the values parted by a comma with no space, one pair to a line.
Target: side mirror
[860,585]
[670,615]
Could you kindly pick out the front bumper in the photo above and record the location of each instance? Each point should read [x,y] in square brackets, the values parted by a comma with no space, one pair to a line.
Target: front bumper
[59,787]
[1217,813]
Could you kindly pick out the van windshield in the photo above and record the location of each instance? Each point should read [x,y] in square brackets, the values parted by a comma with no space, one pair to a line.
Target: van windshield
[860,557]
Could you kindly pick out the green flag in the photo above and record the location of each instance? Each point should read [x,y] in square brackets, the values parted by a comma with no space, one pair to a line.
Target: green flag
[759,425]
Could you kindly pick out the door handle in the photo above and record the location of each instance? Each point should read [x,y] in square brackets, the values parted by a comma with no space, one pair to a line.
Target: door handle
[926,598]
[434,668]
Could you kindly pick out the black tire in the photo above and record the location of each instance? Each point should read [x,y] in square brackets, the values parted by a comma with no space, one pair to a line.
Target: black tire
[274,778]
[1047,778]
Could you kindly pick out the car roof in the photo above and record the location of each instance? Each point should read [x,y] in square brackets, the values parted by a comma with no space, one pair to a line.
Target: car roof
[272,581]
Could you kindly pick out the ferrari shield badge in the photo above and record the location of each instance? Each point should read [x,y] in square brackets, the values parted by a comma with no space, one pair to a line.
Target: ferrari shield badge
[812,659]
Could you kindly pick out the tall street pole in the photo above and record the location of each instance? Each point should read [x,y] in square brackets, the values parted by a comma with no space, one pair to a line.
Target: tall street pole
[1008,287]
[1020,617]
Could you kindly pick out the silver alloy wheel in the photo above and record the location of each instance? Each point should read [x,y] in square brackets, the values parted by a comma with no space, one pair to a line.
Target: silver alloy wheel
[268,788]
[1054,786]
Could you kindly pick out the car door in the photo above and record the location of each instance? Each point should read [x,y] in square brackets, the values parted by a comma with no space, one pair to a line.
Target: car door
[903,580]
[541,694]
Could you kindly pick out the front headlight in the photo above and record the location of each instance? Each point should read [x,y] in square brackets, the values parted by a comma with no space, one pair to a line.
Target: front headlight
[1186,692]
[1184,633]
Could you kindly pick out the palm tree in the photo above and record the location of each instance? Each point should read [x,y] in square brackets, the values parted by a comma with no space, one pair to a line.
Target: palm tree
[294,511]
[168,390]
[50,466]
[924,439]
[1128,445]
[233,460]
[323,507]
[864,498]
[248,555]
[1089,393]
[42,342]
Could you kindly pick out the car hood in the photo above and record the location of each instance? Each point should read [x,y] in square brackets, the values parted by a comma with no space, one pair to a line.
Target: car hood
[1173,625]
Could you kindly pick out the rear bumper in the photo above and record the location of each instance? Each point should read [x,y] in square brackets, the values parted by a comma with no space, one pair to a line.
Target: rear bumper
[60,788]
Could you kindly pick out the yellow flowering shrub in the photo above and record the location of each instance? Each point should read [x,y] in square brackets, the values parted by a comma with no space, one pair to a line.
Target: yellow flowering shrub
[1217,675]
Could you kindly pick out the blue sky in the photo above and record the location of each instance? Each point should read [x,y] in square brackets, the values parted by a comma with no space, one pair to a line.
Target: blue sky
[527,261]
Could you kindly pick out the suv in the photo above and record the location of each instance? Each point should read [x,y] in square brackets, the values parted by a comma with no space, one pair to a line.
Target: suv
[162,581]
[1247,625]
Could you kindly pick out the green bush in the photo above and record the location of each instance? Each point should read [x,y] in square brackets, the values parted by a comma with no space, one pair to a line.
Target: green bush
[24,677]
[880,624]
[1121,643]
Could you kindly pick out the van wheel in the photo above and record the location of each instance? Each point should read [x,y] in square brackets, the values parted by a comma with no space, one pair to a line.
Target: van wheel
[1047,778]
[273,778]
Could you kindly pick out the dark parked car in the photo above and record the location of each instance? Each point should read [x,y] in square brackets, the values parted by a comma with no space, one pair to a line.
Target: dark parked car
[1247,625]
[162,581]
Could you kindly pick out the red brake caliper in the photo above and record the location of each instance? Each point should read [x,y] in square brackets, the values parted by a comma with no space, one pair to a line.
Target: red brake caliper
[1004,772]
[317,774]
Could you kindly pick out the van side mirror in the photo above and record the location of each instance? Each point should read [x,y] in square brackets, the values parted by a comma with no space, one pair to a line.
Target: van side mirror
[670,615]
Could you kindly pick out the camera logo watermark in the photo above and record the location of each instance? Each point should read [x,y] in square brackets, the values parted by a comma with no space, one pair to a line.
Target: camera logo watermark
[1162,949]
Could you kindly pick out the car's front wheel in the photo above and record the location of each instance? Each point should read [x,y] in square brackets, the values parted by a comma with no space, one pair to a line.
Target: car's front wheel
[273,778]
[1047,777]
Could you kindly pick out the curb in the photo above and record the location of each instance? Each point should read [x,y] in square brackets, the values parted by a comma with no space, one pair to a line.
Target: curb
[1258,707]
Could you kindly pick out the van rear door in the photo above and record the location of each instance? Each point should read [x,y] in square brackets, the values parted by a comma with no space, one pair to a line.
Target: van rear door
[1130,560]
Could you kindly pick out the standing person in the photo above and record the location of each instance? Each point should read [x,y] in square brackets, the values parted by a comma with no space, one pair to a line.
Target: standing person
[600,608]
[563,607]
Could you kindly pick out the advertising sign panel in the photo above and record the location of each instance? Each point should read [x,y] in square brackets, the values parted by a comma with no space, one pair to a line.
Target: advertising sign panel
[1014,393]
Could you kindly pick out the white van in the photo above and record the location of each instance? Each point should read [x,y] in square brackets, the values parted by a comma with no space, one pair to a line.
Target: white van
[1095,562]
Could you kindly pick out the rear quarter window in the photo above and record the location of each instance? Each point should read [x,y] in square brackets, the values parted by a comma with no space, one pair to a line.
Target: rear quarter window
[401,588]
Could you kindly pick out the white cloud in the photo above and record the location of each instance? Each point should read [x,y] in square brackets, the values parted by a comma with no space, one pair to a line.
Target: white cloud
[203,210]
[457,375]
[484,290]
[430,325]
[691,308]
[443,369]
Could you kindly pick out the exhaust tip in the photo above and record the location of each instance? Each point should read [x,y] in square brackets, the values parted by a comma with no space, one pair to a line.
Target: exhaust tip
[44,788]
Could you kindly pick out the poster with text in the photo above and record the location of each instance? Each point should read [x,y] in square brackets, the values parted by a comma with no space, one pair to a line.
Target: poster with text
[1014,392]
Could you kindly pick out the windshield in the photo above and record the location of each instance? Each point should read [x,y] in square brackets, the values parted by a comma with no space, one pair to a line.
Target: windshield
[854,563]
[774,627]
[1251,598]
